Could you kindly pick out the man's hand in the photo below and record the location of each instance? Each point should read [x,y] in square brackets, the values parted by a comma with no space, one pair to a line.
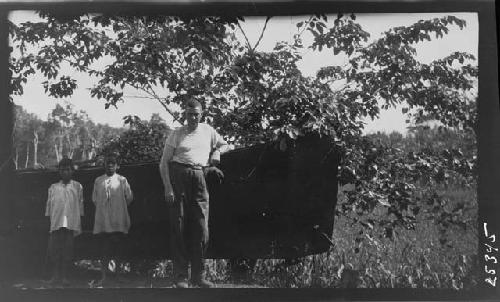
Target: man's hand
[169,197]
[214,173]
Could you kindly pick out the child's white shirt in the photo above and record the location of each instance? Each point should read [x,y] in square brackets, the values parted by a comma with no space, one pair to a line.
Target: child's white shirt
[111,196]
[65,206]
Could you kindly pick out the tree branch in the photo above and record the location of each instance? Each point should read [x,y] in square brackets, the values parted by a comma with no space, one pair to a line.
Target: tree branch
[84,68]
[261,34]
[305,26]
[159,99]
[244,35]
[139,97]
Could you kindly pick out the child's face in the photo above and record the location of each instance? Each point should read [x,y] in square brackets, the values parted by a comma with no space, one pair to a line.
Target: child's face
[110,166]
[66,173]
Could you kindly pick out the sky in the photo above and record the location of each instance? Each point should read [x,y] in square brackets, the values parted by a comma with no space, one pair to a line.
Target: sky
[35,100]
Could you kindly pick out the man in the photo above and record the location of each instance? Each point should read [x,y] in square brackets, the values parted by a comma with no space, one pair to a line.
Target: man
[188,150]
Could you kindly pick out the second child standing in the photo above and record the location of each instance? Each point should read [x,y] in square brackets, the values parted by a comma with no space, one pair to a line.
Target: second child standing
[111,196]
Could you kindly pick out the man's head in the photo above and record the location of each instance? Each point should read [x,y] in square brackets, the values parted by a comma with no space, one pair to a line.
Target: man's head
[110,164]
[193,113]
[66,169]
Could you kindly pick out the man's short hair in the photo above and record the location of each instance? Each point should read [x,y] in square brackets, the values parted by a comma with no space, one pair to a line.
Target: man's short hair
[66,162]
[193,104]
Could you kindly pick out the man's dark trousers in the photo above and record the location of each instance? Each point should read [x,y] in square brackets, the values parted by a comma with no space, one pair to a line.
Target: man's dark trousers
[188,220]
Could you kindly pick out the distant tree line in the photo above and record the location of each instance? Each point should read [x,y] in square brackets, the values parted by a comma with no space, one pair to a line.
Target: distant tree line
[67,133]
[42,143]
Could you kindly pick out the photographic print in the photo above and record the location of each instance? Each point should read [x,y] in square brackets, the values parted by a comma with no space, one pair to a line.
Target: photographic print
[329,150]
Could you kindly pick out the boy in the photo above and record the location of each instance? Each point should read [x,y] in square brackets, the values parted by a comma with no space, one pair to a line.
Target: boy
[65,208]
[111,196]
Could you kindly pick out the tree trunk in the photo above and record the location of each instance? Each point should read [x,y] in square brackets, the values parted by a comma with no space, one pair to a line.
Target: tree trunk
[58,154]
[91,153]
[27,155]
[85,152]
[35,149]
[59,146]
[70,147]
[16,158]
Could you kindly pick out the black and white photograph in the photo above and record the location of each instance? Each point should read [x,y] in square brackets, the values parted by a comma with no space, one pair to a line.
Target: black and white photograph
[325,150]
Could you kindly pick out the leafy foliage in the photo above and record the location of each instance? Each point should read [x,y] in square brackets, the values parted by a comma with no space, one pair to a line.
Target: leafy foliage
[142,142]
[396,183]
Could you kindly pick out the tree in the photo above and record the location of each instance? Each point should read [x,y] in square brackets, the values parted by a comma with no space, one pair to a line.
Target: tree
[143,142]
[74,135]
[253,96]
[149,53]
[200,56]
[27,130]
[64,133]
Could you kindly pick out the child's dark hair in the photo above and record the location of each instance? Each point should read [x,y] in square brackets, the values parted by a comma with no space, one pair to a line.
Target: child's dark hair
[112,157]
[66,162]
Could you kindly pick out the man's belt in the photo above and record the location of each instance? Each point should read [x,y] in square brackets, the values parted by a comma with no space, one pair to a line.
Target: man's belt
[190,166]
[217,174]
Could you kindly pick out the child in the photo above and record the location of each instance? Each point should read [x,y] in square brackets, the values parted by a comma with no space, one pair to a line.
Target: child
[65,208]
[111,196]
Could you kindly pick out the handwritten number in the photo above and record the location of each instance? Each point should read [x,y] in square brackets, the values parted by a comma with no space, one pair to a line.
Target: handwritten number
[492,237]
[491,271]
[493,281]
[489,248]
[488,258]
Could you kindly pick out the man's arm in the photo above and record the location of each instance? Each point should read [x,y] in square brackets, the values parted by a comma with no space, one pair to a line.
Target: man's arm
[220,146]
[168,153]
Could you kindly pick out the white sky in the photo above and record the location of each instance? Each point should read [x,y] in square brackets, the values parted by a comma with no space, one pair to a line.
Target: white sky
[278,29]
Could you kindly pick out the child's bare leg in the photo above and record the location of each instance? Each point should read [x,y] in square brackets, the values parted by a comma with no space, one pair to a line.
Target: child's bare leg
[104,267]
[119,276]
[53,255]
[118,253]
[55,272]
[64,279]
[67,257]
[104,261]
[64,271]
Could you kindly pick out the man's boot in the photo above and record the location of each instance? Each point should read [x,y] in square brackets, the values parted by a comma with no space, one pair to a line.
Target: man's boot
[198,273]
[198,276]
[181,283]
[202,282]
